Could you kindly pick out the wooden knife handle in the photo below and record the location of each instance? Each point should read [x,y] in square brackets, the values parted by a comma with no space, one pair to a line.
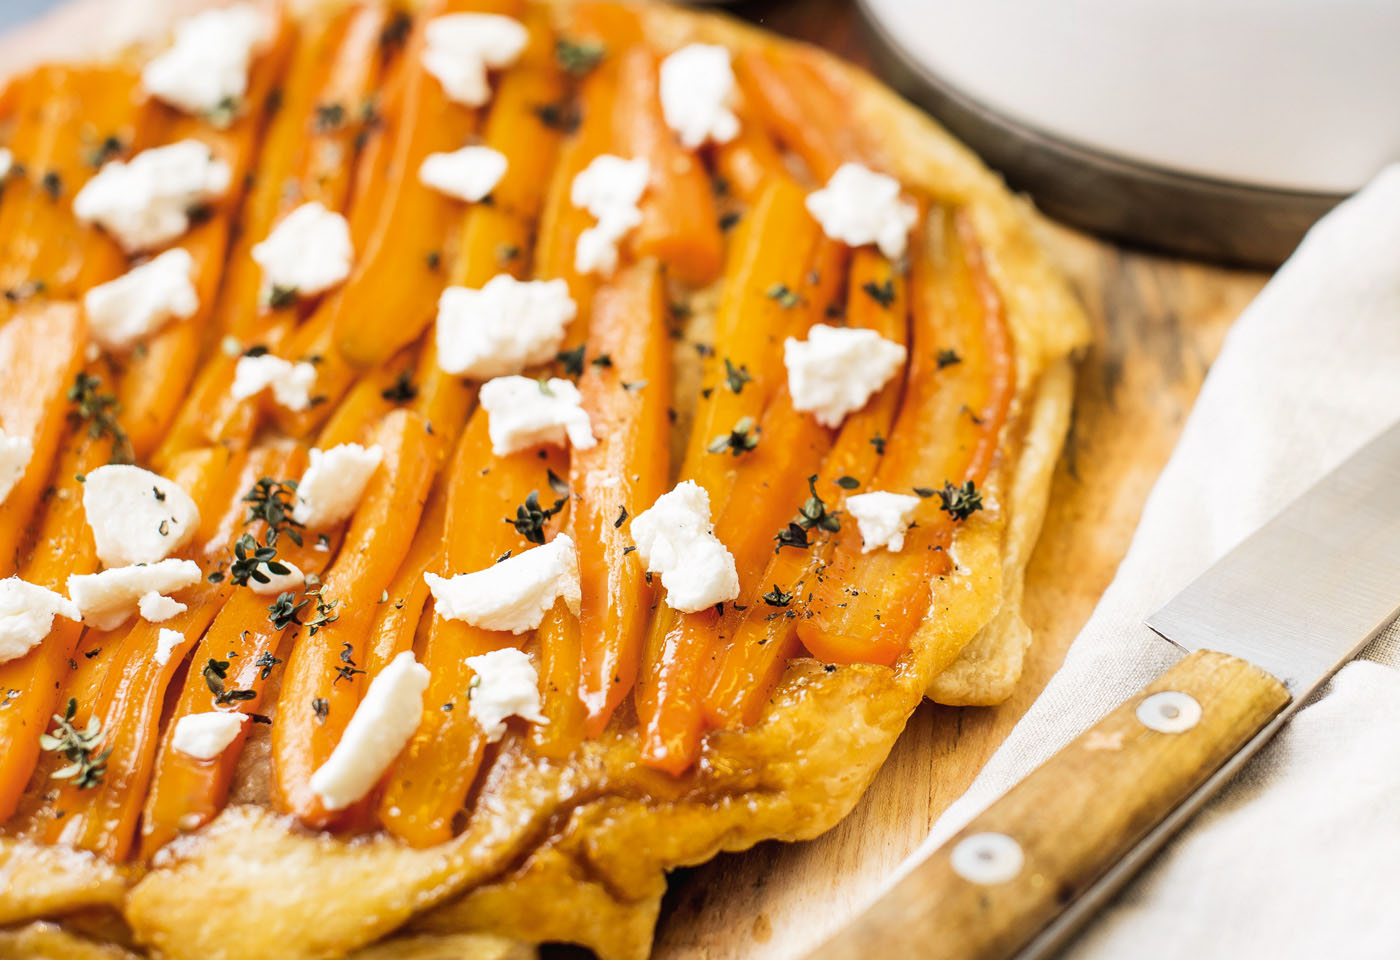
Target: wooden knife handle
[991,888]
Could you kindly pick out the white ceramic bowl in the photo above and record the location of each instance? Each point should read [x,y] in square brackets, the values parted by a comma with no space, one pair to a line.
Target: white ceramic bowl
[1287,94]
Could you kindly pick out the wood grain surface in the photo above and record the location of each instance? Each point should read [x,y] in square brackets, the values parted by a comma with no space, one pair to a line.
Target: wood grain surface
[1158,324]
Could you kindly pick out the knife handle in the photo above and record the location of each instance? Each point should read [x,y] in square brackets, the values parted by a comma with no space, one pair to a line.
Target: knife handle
[1001,879]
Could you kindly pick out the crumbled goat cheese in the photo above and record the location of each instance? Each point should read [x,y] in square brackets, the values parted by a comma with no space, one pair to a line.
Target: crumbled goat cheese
[136,516]
[470,173]
[506,685]
[609,188]
[7,162]
[308,252]
[837,370]
[461,47]
[697,90]
[514,594]
[108,598]
[291,383]
[883,517]
[206,68]
[333,484]
[206,735]
[292,580]
[676,539]
[522,413]
[145,203]
[141,301]
[859,206]
[167,642]
[502,328]
[157,609]
[15,454]
[26,615]
[382,724]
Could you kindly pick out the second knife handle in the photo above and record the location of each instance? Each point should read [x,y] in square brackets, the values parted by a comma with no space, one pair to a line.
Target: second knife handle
[987,891]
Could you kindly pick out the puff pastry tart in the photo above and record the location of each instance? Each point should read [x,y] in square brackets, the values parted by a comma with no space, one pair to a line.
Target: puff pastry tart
[461,461]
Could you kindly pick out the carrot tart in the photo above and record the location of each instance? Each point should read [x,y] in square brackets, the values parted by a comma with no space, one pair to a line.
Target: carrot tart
[460,461]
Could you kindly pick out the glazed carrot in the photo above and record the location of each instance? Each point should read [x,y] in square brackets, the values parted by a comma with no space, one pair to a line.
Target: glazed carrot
[753,660]
[394,267]
[947,431]
[429,783]
[623,474]
[398,618]
[186,792]
[101,817]
[276,186]
[749,161]
[41,353]
[379,537]
[679,223]
[797,108]
[366,403]
[159,375]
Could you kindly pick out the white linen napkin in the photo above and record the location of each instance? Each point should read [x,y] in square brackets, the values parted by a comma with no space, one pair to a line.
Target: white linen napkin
[1300,856]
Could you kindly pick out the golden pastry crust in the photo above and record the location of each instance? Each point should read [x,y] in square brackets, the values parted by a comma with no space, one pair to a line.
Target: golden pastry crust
[577,850]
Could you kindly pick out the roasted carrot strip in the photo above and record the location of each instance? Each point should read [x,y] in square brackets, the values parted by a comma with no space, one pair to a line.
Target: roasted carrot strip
[796,107]
[623,474]
[429,783]
[397,620]
[749,161]
[378,538]
[679,223]
[159,375]
[760,645]
[102,817]
[186,792]
[868,605]
[276,186]
[41,353]
[366,403]
[395,267]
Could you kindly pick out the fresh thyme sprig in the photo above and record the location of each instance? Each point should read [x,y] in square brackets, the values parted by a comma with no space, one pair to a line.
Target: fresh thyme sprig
[99,411]
[960,502]
[530,517]
[742,438]
[252,562]
[84,768]
[578,57]
[272,502]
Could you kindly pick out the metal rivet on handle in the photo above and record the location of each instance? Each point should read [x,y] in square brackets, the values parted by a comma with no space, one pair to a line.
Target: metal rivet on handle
[987,858]
[1169,712]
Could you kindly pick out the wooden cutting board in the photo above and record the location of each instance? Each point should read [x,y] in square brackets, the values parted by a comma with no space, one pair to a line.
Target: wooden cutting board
[1158,325]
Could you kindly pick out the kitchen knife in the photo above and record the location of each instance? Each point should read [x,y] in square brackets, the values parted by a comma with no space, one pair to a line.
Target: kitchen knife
[1262,629]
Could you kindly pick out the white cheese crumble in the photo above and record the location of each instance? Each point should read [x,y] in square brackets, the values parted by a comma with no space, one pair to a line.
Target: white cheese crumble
[167,642]
[109,598]
[145,203]
[277,583]
[882,517]
[206,735]
[470,173]
[308,252]
[838,369]
[502,328]
[15,454]
[609,188]
[513,594]
[859,206]
[333,484]
[291,383]
[522,413]
[206,68]
[26,615]
[136,516]
[7,162]
[506,685]
[697,90]
[383,723]
[157,609]
[461,47]
[141,301]
[676,539]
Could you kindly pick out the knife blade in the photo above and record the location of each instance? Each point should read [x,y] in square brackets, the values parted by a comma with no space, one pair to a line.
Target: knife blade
[1262,628]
